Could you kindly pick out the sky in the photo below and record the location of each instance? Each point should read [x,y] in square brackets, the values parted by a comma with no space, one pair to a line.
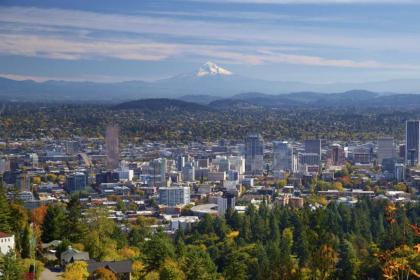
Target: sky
[315,41]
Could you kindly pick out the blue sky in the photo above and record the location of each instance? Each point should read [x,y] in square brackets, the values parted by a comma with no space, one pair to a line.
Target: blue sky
[317,41]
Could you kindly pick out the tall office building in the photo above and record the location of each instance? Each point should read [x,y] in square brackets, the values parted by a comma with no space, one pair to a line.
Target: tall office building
[225,202]
[336,155]
[412,143]
[180,162]
[112,146]
[188,172]
[283,158]
[386,149]
[399,172]
[76,182]
[176,195]
[313,146]
[254,154]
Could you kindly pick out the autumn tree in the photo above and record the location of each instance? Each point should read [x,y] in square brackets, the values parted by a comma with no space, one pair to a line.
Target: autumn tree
[103,274]
[76,271]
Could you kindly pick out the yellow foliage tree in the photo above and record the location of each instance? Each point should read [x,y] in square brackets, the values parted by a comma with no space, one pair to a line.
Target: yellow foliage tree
[129,252]
[338,186]
[36,180]
[76,271]
[103,274]
[138,270]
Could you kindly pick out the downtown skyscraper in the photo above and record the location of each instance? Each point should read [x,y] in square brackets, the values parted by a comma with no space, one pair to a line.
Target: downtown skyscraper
[112,145]
[412,142]
[254,154]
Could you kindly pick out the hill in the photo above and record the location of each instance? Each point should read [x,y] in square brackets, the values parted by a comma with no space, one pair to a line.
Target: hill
[162,104]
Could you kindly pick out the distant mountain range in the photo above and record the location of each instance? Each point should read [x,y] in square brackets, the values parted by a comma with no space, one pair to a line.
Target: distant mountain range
[209,83]
[349,99]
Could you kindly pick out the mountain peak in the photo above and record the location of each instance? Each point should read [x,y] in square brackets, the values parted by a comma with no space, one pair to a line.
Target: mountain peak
[212,69]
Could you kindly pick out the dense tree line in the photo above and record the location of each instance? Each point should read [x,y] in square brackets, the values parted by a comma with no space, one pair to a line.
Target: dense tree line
[372,240]
[59,121]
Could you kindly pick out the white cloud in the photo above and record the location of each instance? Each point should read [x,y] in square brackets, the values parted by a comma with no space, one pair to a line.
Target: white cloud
[36,32]
[71,49]
[235,32]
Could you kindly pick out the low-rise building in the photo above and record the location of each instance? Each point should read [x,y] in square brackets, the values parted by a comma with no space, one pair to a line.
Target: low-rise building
[7,243]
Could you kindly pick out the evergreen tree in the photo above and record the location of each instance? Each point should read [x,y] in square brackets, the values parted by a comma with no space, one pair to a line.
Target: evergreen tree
[156,250]
[170,270]
[26,243]
[348,265]
[4,212]
[54,225]
[198,265]
[300,240]
[75,220]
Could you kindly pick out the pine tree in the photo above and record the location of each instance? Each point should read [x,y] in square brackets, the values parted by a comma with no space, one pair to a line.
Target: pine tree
[5,225]
[75,221]
[348,266]
[26,243]
[54,224]
[198,265]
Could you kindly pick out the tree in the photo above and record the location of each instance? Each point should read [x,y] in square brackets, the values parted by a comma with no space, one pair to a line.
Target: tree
[170,270]
[156,250]
[10,267]
[19,222]
[98,240]
[75,220]
[54,225]
[27,265]
[103,274]
[324,261]
[76,271]
[198,265]
[338,186]
[38,217]
[348,266]
[237,266]
[26,243]
[36,180]
[4,212]
[138,269]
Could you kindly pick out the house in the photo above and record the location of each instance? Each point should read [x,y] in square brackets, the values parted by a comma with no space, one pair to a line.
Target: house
[72,255]
[122,269]
[7,243]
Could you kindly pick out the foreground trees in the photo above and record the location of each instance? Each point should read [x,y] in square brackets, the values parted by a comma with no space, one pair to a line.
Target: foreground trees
[372,240]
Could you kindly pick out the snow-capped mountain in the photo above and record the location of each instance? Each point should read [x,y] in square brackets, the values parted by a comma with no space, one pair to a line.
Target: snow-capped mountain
[209,80]
[211,69]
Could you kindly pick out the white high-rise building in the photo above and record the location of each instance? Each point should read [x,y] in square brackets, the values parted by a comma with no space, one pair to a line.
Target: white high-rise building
[283,158]
[237,163]
[176,195]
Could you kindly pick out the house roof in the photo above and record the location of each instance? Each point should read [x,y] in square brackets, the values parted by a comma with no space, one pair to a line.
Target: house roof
[3,234]
[114,266]
[75,255]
